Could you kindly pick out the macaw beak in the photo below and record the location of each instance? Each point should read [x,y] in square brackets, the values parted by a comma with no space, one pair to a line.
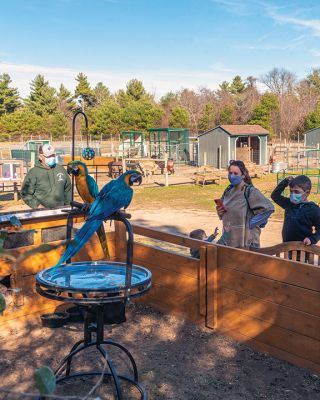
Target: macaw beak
[135,178]
[72,169]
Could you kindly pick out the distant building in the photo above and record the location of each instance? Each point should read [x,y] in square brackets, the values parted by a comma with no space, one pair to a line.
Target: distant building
[312,138]
[233,142]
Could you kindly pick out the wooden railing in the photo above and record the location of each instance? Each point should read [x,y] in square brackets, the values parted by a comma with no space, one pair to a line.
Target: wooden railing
[295,251]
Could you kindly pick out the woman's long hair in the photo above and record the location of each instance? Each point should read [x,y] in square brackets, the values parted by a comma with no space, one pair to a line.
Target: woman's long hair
[243,169]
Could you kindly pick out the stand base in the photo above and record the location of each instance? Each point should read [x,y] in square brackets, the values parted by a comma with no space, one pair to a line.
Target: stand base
[80,346]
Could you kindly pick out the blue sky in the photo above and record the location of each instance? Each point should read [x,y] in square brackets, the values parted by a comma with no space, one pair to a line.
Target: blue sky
[167,44]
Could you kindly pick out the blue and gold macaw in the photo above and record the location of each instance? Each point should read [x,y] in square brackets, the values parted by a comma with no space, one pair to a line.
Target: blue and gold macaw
[88,191]
[85,184]
[113,196]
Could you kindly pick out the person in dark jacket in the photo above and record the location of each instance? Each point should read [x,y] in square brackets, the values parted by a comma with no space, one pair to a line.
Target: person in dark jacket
[46,185]
[301,217]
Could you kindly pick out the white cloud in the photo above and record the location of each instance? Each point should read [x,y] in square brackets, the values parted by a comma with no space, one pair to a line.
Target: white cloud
[158,82]
[315,52]
[312,24]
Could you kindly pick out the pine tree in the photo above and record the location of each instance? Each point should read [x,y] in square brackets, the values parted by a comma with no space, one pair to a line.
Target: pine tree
[21,122]
[66,103]
[141,115]
[237,86]
[226,115]
[9,97]
[264,112]
[312,120]
[42,99]
[56,125]
[207,118]
[106,119]
[101,93]
[135,90]
[179,118]
[84,90]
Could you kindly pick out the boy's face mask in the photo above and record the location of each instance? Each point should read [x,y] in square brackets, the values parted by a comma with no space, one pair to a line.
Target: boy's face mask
[296,198]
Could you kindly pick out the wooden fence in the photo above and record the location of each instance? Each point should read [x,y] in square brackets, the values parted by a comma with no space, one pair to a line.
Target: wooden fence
[269,303]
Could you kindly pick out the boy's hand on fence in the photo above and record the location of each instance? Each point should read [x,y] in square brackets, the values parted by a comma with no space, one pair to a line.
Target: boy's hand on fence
[306,241]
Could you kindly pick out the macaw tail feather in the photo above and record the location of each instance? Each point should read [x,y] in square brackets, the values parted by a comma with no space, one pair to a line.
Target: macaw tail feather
[81,238]
[103,241]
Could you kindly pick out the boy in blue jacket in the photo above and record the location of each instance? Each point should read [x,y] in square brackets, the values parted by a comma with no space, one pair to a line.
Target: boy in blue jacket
[301,217]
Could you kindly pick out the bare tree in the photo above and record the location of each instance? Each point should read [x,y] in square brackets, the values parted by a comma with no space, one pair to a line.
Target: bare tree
[190,100]
[280,81]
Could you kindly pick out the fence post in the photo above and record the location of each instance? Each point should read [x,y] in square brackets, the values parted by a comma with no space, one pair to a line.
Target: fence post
[166,169]
[120,241]
[33,159]
[202,281]
[212,287]
[15,191]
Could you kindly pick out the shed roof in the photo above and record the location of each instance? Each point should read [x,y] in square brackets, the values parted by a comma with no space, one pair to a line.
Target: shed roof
[239,130]
[311,130]
[245,129]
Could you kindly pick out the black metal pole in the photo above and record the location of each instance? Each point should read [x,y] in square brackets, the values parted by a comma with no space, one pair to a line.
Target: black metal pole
[70,216]
[73,140]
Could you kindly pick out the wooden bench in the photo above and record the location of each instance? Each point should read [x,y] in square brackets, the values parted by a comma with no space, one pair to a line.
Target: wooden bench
[255,171]
[206,174]
[295,251]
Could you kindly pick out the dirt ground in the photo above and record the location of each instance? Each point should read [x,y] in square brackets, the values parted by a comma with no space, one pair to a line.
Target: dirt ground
[177,360]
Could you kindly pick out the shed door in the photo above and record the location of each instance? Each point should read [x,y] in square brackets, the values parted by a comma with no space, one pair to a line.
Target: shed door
[255,150]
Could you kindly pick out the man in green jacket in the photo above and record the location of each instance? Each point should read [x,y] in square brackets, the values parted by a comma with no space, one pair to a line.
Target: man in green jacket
[46,185]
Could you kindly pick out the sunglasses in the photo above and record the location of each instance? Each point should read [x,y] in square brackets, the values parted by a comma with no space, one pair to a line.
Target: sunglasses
[236,162]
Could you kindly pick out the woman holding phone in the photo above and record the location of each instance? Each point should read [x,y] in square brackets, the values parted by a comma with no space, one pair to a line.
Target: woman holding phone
[243,209]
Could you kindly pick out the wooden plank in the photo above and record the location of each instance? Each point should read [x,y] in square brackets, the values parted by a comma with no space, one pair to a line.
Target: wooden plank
[294,273]
[169,301]
[202,281]
[184,285]
[212,288]
[291,342]
[275,314]
[32,304]
[167,237]
[273,351]
[120,241]
[266,289]
[45,222]
[151,256]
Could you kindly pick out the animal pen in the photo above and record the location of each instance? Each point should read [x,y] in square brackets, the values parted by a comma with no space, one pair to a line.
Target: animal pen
[171,141]
[270,303]
[132,144]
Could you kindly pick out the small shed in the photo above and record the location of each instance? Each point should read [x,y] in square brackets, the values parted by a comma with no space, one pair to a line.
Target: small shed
[233,142]
[312,138]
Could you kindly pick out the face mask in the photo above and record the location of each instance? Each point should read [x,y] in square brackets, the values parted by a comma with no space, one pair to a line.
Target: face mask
[296,198]
[51,162]
[234,179]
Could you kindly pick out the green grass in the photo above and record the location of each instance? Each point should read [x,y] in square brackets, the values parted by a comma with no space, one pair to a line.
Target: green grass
[196,197]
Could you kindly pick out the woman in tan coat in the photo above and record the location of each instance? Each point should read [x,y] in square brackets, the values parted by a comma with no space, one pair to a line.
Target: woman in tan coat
[244,211]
